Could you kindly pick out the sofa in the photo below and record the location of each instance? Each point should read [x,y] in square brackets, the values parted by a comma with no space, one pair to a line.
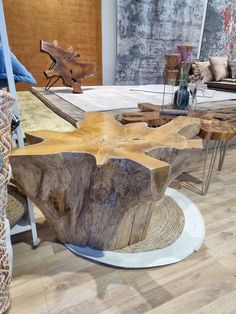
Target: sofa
[222,85]
[218,73]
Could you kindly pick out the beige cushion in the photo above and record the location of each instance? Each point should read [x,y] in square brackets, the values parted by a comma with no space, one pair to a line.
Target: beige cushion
[202,68]
[219,67]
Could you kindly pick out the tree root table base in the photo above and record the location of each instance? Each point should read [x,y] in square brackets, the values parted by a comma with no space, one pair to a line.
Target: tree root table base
[189,241]
[98,185]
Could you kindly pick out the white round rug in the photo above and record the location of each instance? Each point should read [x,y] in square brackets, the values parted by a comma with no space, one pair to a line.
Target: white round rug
[190,239]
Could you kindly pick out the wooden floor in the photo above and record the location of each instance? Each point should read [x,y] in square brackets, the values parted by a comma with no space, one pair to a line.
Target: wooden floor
[50,279]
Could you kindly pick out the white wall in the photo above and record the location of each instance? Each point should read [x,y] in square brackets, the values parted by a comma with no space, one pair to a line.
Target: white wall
[108,41]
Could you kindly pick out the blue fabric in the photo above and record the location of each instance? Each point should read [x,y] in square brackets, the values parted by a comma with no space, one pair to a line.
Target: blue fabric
[19,71]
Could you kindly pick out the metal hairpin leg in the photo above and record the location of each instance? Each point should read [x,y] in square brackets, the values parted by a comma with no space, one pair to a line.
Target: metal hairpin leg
[206,177]
[49,84]
[223,149]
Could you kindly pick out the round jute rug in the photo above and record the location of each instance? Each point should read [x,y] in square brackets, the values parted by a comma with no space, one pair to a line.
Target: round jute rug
[16,205]
[166,225]
[176,231]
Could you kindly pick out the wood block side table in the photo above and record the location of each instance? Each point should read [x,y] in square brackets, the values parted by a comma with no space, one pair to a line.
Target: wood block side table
[220,134]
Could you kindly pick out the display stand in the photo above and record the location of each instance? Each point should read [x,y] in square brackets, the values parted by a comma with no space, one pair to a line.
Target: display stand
[28,223]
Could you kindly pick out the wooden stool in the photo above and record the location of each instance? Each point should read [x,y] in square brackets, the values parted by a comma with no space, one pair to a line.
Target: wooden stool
[220,133]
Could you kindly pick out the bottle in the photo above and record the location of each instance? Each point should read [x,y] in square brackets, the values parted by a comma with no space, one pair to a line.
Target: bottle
[181,98]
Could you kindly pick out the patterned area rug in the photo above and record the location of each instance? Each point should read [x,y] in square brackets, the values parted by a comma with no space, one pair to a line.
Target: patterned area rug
[36,116]
[149,29]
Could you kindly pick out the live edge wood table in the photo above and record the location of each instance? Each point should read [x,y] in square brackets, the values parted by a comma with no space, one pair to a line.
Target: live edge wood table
[96,185]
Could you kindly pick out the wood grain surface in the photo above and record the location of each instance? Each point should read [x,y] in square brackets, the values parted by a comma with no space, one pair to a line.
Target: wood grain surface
[52,280]
[74,23]
[110,176]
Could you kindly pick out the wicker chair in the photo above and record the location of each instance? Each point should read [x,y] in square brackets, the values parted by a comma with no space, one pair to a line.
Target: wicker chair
[6,104]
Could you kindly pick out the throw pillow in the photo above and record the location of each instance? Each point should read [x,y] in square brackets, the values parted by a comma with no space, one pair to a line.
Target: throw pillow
[202,68]
[232,69]
[219,67]
[19,71]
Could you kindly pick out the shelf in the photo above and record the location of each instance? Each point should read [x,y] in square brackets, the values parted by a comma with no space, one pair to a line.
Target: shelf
[27,224]
[22,226]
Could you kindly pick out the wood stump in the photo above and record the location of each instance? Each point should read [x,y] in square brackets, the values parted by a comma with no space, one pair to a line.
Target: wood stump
[96,185]
[171,71]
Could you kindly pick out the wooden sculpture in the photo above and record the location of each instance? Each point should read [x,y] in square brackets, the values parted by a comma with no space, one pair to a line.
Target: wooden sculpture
[66,66]
[96,185]
[152,118]
[171,71]
[226,115]
[149,113]
[216,130]
[153,115]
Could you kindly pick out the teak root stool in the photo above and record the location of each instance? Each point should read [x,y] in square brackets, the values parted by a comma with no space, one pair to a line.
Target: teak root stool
[220,134]
[97,185]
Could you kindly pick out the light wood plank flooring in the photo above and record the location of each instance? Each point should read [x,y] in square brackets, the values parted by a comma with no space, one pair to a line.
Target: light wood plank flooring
[50,279]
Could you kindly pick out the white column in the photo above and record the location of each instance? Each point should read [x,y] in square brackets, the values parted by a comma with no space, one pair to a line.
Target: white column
[108,41]
[202,29]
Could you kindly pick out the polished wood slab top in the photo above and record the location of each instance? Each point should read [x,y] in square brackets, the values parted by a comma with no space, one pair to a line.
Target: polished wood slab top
[216,130]
[104,137]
